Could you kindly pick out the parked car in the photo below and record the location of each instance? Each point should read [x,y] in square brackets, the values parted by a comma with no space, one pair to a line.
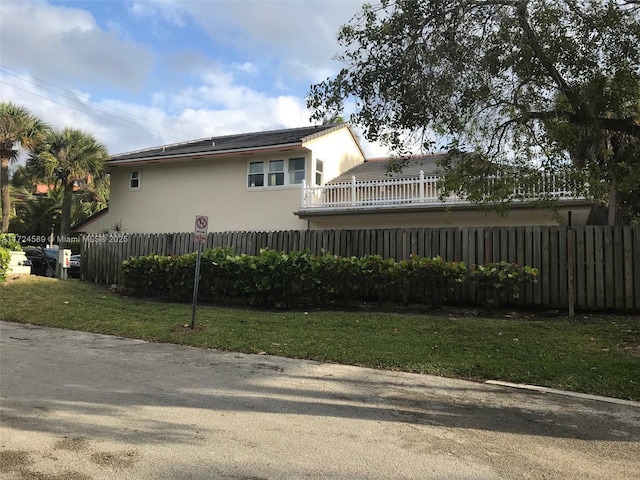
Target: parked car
[43,260]
[74,266]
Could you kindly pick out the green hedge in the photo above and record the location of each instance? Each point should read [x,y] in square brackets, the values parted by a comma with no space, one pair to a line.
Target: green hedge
[299,279]
[9,241]
[5,259]
[497,282]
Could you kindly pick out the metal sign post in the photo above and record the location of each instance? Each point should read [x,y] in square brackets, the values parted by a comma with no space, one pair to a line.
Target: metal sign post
[200,236]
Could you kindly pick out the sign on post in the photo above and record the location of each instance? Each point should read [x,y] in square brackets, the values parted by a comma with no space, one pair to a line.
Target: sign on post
[200,236]
[202,226]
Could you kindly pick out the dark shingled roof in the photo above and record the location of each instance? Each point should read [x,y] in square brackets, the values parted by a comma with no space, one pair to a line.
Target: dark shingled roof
[377,169]
[242,141]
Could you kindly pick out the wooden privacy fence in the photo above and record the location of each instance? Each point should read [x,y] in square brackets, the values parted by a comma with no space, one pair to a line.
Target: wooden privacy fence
[590,267]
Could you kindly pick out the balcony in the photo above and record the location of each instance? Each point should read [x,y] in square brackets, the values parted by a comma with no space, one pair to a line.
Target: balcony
[419,192]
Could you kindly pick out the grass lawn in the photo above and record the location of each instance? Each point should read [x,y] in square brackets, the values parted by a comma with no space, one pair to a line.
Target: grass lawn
[597,354]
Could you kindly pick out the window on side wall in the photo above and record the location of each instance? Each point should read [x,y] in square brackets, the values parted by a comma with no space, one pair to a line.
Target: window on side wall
[319,171]
[256,174]
[276,173]
[296,170]
[134,179]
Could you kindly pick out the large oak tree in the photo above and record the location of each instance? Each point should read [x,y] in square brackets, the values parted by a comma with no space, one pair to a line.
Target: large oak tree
[527,85]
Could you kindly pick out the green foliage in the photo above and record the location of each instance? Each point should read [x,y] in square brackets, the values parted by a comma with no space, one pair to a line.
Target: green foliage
[434,278]
[9,242]
[520,83]
[500,281]
[18,127]
[299,279]
[5,258]
[66,158]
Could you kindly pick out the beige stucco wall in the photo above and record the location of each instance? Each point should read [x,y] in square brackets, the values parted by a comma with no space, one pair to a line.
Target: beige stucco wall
[450,218]
[172,194]
[98,225]
[339,152]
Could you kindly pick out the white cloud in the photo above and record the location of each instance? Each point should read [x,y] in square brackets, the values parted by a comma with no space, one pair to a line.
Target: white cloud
[303,31]
[247,67]
[64,44]
[166,10]
[67,47]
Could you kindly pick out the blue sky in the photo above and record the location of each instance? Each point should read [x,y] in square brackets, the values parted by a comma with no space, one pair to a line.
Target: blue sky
[138,74]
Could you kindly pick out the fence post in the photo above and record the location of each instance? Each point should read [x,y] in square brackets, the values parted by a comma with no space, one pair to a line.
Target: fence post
[571,261]
[421,186]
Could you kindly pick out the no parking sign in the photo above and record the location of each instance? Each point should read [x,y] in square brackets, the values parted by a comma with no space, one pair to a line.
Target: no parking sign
[202,226]
[200,236]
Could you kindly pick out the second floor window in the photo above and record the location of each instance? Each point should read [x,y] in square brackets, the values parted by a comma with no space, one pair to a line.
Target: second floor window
[296,170]
[274,173]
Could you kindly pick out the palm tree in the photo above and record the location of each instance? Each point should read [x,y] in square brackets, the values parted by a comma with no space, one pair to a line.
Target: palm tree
[66,158]
[37,216]
[18,129]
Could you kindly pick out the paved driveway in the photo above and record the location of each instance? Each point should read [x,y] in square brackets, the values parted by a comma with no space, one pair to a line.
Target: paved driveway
[82,406]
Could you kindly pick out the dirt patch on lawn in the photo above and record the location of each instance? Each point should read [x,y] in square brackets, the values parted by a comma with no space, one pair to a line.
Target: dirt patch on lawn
[185,329]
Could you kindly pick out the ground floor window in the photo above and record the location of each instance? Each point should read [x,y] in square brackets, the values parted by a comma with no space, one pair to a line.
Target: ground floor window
[134,179]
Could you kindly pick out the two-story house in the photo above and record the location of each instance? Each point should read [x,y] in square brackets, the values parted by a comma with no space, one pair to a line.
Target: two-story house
[312,177]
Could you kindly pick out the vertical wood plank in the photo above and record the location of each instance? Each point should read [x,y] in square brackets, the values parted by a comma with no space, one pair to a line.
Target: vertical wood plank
[600,279]
[570,234]
[609,268]
[618,267]
[537,261]
[590,266]
[554,272]
[627,235]
[580,280]
[563,293]
[636,266]
[546,262]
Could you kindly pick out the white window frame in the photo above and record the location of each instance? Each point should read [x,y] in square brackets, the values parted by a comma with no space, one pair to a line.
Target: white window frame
[138,178]
[318,172]
[271,175]
[292,172]
[255,174]
[276,173]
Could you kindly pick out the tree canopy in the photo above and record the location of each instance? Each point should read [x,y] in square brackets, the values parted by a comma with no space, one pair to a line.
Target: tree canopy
[18,129]
[546,85]
[66,158]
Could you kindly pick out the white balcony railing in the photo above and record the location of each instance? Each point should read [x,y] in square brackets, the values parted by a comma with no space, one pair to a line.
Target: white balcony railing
[418,191]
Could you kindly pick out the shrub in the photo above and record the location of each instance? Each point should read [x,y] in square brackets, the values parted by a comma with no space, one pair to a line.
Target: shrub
[8,241]
[433,278]
[299,279]
[499,281]
[5,258]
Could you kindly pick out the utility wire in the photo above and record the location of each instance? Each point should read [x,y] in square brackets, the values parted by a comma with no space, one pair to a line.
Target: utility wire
[86,107]
[117,122]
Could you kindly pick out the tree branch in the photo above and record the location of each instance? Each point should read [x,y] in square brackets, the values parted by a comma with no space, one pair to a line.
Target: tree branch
[546,62]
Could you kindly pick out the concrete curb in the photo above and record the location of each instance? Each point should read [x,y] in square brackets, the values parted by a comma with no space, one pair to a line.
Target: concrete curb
[586,396]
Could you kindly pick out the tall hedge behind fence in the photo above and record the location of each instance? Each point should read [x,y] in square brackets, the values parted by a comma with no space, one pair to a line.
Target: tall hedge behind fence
[596,266]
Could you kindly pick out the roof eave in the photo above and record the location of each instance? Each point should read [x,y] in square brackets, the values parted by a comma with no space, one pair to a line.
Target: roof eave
[241,151]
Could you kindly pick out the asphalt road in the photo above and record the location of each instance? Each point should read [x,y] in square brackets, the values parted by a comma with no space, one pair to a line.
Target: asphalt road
[79,406]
